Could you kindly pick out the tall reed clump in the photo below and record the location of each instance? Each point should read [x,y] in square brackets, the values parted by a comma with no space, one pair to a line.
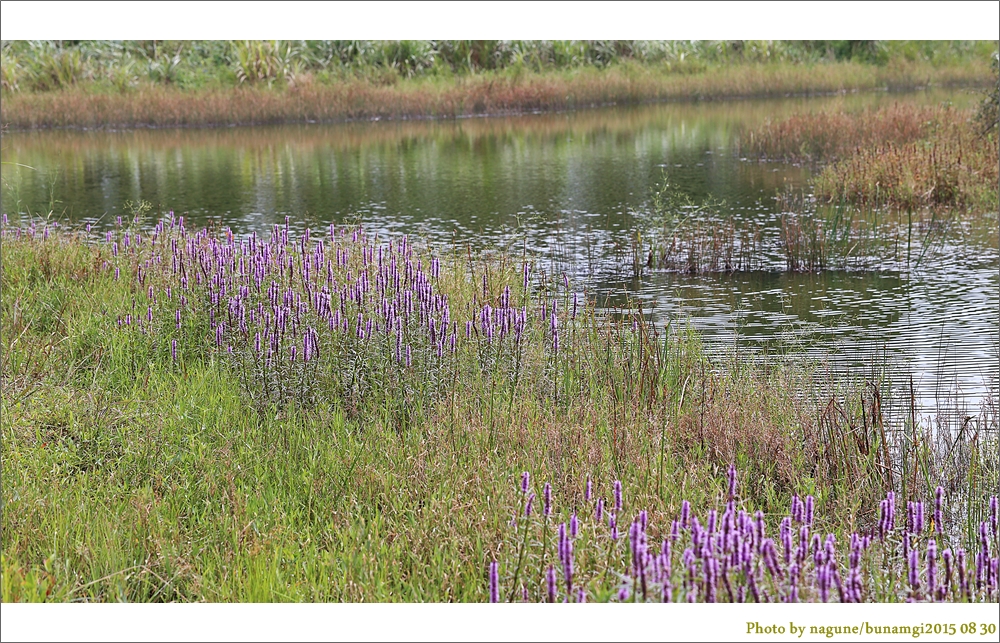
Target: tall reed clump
[200,415]
[693,237]
[607,549]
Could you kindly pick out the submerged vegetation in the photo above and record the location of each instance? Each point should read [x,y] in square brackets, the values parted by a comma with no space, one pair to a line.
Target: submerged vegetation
[177,83]
[196,415]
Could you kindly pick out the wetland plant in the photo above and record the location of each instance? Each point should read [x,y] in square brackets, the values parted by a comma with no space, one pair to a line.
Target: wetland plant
[728,555]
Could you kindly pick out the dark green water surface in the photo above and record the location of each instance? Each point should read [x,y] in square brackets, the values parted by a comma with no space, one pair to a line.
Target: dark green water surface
[573,187]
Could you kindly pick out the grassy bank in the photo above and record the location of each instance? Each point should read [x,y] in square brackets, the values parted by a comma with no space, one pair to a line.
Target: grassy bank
[145,85]
[896,158]
[192,416]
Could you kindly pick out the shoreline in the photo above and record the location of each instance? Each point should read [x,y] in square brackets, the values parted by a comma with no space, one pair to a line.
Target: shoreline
[481,96]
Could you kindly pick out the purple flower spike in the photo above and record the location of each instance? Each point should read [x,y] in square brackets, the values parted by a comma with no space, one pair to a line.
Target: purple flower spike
[931,568]
[527,506]
[947,557]
[994,511]
[759,529]
[623,594]
[685,514]
[588,492]
[525,478]
[914,573]
[547,495]
[574,526]
[732,481]
[938,514]
[173,349]
[963,578]
[786,538]
[494,583]
[810,503]
[618,496]
[550,577]
[599,511]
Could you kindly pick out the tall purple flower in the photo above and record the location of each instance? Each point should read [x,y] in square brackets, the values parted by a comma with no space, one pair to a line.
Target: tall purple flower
[786,538]
[759,529]
[963,577]
[946,556]
[914,571]
[994,511]
[938,513]
[525,479]
[547,496]
[494,583]
[588,490]
[550,577]
[931,568]
[618,496]
[732,481]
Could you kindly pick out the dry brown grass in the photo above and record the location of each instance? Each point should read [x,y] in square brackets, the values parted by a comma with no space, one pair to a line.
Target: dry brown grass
[829,135]
[902,157]
[955,167]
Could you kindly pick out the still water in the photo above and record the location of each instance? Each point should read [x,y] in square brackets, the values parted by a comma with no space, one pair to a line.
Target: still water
[572,187]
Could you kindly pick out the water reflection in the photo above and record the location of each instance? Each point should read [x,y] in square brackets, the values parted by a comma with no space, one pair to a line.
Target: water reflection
[571,186]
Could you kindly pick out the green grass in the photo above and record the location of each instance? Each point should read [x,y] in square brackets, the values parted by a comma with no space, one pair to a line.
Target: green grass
[128,476]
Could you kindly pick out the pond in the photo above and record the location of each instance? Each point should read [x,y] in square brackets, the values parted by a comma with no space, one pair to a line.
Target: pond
[574,188]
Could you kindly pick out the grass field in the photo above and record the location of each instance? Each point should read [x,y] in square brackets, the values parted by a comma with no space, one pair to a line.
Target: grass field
[192,415]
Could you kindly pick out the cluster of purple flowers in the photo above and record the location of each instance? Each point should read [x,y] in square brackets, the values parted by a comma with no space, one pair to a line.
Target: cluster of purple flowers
[730,557]
[276,306]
